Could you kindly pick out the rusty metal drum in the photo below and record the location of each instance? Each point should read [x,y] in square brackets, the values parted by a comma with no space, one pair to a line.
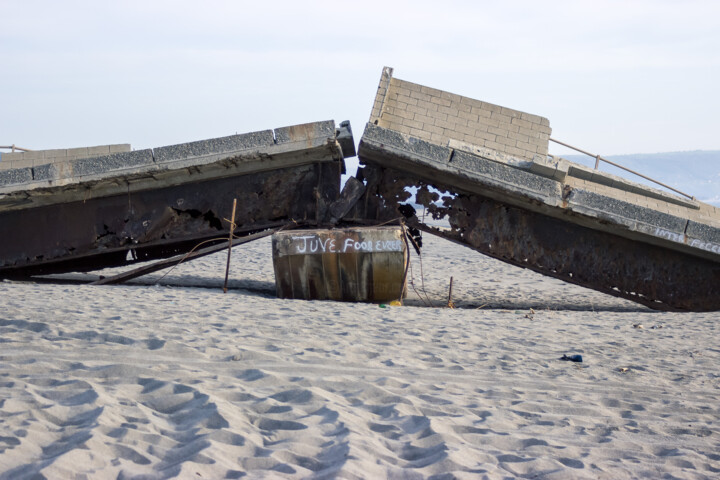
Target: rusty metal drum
[364,264]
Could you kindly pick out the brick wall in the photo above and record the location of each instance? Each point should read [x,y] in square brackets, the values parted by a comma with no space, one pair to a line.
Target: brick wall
[44,157]
[437,116]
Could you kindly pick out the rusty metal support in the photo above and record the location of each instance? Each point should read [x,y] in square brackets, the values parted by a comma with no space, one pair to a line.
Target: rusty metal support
[160,223]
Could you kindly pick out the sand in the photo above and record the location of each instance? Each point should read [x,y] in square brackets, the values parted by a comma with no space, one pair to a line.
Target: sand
[178,380]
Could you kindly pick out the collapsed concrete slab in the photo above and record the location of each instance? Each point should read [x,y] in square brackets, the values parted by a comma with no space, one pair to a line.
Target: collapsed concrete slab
[484,166]
[125,207]
[487,168]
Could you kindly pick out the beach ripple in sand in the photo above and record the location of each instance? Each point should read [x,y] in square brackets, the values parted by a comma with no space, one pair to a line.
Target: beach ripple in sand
[181,382]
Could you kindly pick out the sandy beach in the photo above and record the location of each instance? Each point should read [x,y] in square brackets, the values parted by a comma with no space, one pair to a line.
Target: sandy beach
[175,379]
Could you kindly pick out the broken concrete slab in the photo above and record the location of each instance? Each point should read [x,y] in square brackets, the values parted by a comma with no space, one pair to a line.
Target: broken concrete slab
[532,210]
[146,169]
[477,173]
[161,202]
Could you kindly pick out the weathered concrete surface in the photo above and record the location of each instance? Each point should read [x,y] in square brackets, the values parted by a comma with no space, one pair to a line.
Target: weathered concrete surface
[34,158]
[250,152]
[438,117]
[15,176]
[549,215]
[88,213]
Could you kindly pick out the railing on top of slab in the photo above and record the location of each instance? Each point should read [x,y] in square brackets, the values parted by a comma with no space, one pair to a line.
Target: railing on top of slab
[13,148]
[599,159]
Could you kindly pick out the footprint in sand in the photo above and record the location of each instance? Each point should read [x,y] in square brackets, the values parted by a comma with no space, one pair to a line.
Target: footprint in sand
[154,343]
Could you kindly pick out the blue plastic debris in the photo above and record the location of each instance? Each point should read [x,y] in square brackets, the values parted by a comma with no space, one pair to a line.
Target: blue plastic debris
[572,358]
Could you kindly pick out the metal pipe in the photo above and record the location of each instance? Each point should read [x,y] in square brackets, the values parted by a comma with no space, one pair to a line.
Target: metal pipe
[13,148]
[574,148]
[598,158]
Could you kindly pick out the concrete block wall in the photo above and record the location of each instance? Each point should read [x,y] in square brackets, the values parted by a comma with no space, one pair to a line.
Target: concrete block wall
[438,117]
[36,158]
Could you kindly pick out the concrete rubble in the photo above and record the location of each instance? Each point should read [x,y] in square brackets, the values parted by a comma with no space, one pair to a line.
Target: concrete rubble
[485,167]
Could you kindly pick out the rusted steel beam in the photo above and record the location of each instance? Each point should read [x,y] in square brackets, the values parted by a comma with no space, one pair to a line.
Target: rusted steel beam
[658,277]
[154,203]
[158,223]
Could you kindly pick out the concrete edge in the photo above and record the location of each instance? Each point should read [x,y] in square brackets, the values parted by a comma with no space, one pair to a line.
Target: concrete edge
[381,95]
[247,146]
[485,173]
[559,169]
[703,236]
[202,148]
[621,213]
[15,176]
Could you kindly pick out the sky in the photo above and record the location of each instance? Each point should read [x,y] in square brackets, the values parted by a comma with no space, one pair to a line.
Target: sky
[613,77]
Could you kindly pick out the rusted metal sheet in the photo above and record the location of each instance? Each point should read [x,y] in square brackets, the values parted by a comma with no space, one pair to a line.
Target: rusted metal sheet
[158,223]
[348,264]
[658,277]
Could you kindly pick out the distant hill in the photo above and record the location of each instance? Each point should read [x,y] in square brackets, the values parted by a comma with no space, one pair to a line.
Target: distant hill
[695,173]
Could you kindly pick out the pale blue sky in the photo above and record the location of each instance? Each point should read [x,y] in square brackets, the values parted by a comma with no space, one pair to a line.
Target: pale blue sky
[613,77]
